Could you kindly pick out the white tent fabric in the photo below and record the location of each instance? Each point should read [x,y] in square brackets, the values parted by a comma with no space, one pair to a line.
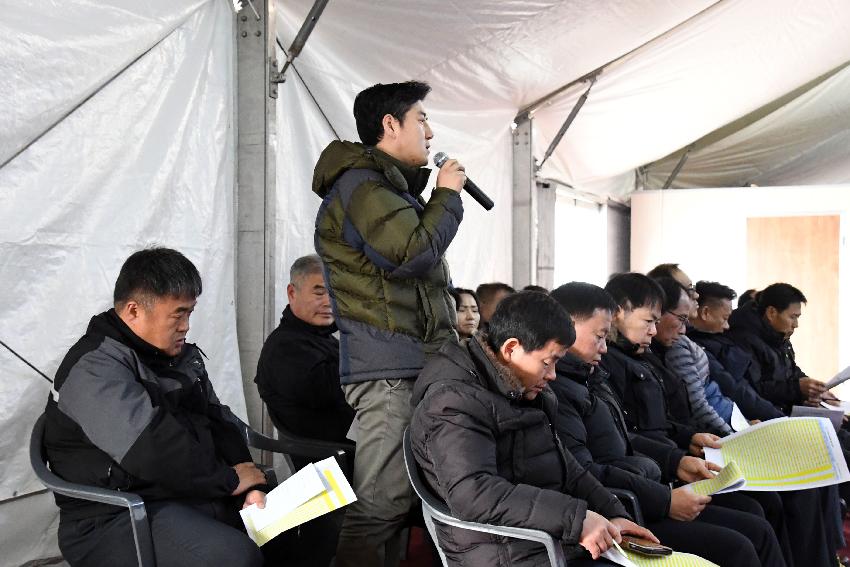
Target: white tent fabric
[802,141]
[117,132]
[145,155]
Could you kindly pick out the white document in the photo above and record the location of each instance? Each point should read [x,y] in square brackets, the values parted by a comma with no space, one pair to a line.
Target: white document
[287,496]
[335,492]
[842,406]
[739,422]
[833,414]
[839,378]
[615,555]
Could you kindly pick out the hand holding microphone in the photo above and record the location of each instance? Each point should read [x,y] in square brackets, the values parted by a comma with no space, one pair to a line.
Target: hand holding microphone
[456,172]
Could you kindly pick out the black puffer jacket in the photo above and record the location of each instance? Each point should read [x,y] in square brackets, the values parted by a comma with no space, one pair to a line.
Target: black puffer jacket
[775,374]
[731,367]
[494,457]
[643,395]
[592,428]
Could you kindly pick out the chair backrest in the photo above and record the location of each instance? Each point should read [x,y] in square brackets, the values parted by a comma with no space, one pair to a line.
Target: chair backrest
[289,444]
[134,503]
[433,508]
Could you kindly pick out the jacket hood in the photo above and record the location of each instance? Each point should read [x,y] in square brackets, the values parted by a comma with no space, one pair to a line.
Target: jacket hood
[340,156]
[481,367]
[746,319]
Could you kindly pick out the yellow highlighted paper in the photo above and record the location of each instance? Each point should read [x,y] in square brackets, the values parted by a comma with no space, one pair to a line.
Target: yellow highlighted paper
[336,493]
[728,480]
[620,556]
[785,454]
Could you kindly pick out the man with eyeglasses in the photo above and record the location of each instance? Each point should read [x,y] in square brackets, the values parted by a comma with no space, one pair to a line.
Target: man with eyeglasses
[675,272]
[686,360]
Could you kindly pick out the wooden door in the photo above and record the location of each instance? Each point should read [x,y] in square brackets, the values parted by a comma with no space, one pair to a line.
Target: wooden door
[802,251]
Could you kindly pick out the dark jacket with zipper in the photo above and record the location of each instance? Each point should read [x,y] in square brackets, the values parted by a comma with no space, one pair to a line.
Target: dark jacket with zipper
[775,374]
[126,416]
[298,379]
[591,426]
[643,399]
[495,458]
[731,367]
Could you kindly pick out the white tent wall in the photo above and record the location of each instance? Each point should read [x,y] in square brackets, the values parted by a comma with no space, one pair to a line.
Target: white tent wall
[733,58]
[481,138]
[145,156]
[705,231]
[804,141]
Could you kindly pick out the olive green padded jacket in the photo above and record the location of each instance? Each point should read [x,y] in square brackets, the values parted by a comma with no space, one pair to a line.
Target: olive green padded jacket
[382,248]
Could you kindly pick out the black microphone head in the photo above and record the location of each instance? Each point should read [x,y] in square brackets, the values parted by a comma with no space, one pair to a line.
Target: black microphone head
[440,158]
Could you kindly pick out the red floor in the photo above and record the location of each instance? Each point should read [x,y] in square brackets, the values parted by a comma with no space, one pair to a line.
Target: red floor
[419,551]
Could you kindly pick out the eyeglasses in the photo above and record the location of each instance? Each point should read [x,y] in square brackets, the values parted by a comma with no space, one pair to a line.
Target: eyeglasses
[683,319]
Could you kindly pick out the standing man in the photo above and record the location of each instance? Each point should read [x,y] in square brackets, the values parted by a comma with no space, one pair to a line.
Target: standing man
[382,246]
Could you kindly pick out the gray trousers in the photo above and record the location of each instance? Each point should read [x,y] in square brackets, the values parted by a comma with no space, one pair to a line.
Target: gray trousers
[372,525]
[185,534]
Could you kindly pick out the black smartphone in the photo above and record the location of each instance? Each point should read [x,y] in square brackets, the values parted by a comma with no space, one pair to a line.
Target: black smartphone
[644,546]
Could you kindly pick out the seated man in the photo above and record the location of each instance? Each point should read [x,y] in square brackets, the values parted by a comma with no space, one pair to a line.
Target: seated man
[728,364]
[134,410]
[481,434]
[298,369]
[591,426]
[685,362]
[489,296]
[763,328]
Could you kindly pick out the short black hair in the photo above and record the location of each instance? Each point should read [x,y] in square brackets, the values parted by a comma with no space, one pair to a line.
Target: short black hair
[533,319]
[537,288]
[155,273]
[748,296]
[663,271]
[487,291]
[672,292]
[457,291]
[713,293]
[581,300]
[633,291]
[779,296]
[372,104]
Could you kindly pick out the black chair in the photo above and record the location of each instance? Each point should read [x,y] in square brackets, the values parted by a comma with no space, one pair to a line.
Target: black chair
[435,509]
[311,449]
[630,501]
[135,504]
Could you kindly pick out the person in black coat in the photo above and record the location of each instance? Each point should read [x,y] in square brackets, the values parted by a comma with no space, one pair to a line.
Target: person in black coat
[729,365]
[482,434]
[593,429]
[298,369]
[298,379]
[763,328]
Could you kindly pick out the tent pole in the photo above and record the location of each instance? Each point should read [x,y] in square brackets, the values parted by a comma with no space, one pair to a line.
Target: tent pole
[255,198]
[572,116]
[678,167]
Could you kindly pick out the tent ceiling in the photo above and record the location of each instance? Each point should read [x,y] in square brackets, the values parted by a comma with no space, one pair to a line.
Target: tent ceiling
[676,72]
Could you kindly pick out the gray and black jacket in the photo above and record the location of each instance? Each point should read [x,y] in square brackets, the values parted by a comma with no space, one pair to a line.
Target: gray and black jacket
[495,458]
[131,418]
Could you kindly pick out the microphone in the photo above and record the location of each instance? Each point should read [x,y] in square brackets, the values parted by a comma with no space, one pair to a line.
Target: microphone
[480,197]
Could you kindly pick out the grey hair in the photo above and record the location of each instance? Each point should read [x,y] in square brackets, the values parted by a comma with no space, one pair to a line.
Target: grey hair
[305,266]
